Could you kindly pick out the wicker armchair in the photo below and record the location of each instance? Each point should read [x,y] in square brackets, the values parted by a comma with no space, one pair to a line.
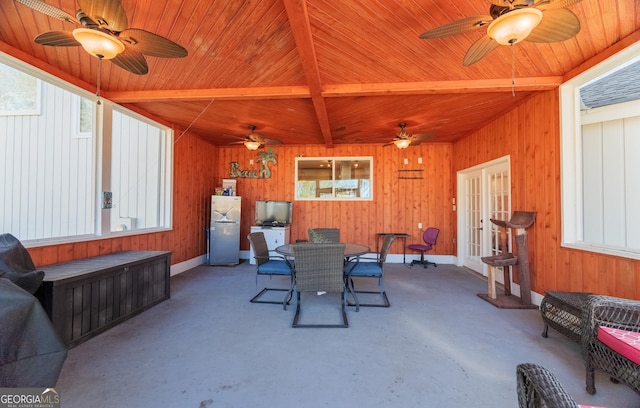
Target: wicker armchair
[319,268]
[537,387]
[623,314]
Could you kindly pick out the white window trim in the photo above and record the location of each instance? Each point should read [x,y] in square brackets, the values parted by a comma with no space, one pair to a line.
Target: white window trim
[335,158]
[571,152]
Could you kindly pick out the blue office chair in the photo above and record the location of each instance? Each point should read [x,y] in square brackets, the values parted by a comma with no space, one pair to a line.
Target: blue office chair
[430,236]
[360,268]
[270,265]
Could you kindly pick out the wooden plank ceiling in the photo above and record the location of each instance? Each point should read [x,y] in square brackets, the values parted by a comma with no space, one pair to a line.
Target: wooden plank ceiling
[320,71]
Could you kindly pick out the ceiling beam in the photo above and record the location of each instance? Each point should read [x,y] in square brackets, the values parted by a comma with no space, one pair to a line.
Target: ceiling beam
[338,90]
[444,87]
[275,92]
[301,30]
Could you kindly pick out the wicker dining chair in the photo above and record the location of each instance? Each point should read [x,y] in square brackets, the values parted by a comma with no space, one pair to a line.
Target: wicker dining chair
[319,268]
[324,235]
[269,264]
[537,387]
[614,313]
[360,267]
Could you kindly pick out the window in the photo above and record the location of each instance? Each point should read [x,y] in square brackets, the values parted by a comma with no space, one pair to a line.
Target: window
[86,113]
[600,143]
[138,149]
[51,175]
[334,178]
[19,92]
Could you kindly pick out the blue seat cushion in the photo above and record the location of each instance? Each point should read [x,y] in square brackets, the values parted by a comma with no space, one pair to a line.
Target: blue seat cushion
[274,267]
[366,269]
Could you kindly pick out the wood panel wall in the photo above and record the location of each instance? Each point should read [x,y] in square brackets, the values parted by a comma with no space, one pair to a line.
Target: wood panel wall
[194,182]
[530,134]
[398,204]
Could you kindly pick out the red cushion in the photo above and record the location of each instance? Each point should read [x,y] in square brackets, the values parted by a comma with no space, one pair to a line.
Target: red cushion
[625,342]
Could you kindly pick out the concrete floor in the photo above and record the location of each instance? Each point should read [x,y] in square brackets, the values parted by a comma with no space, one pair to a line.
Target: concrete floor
[438,345]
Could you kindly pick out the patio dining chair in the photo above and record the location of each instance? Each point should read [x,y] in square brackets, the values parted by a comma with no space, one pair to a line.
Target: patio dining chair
[359,267]
[269,264]
[324,235]
[319,269]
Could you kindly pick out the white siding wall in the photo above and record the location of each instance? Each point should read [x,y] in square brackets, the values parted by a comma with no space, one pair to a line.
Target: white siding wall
[611,182]
[46,171]
[136,175]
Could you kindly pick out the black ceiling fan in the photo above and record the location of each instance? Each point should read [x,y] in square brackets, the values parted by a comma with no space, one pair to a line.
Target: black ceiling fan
[105,34]
[513,21]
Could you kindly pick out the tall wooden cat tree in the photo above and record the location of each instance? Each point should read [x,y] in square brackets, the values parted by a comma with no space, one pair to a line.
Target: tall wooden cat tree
[520,221]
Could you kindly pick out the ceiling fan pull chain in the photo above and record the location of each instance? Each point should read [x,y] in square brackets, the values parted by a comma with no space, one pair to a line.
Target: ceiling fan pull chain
[98,84]
[513,72]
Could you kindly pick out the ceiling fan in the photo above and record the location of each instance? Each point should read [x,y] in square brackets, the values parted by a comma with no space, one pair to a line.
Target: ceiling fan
[513,21]
[405,139]
[105,34]
[255,141]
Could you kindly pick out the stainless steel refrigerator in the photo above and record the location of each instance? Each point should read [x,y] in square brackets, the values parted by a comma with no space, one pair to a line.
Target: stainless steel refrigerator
[224,231]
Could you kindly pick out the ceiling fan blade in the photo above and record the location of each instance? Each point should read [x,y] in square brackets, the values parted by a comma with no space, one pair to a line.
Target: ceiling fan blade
[132,61]
[457,27]
[48,10]
[57,39]
[511,3]
[423,137]
[271,142]
[556,4]
[556,25]
[107,13]
[151,44]
[479,50]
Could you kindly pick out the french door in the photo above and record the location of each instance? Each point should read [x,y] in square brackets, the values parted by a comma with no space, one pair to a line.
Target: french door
[484,192]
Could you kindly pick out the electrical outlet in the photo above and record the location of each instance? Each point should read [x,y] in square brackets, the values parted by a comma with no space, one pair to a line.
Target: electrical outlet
[406,161]
[419,160]
[420,225]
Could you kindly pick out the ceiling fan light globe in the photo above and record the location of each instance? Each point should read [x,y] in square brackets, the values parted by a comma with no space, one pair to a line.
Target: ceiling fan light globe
[98,43]
[402,143]
[251,145]
[514,26]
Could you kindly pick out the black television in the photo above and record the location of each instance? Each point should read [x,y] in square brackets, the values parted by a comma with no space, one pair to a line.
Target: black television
[273,213]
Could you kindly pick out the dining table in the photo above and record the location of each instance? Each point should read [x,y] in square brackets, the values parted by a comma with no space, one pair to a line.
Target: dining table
[351,250]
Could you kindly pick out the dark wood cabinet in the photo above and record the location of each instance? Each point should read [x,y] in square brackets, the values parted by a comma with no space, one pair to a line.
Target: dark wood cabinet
[86,297]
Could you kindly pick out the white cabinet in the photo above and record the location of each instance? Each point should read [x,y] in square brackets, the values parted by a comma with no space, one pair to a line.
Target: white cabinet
[275,236]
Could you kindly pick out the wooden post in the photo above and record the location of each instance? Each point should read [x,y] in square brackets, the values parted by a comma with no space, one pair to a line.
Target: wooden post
[491,281]
[523,266]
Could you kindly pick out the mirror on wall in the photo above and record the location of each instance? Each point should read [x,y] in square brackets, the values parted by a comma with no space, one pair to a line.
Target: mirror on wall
[334,178]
